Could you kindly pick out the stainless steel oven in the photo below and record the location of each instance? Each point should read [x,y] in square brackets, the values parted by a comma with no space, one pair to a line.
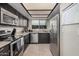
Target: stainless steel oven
[17,47]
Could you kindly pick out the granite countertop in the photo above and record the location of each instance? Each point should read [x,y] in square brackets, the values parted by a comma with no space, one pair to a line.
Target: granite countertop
[22,34]
[3,43]
[19,35]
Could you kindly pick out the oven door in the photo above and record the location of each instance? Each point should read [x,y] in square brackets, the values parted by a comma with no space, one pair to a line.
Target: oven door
[16,48]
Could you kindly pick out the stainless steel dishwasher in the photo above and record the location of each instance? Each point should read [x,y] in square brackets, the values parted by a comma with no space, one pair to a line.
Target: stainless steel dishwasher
[34,37]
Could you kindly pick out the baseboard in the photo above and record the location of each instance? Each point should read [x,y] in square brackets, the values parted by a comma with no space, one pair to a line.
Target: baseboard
[34,43]
[39,43]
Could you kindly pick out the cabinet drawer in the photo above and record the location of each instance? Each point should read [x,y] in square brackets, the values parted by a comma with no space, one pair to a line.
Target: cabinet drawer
[26,39]
[5,51]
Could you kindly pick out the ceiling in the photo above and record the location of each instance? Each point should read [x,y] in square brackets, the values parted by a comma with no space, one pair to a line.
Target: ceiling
[39,10]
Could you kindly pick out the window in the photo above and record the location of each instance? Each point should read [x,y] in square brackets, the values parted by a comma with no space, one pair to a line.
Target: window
[42,22]
[38,24]
[35,22]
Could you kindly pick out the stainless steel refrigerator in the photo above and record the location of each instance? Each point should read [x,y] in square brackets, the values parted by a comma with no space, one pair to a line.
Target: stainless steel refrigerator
[54,36]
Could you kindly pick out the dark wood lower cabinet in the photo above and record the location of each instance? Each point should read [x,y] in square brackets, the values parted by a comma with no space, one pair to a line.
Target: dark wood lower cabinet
[5,51]
[43,38]
[26,41]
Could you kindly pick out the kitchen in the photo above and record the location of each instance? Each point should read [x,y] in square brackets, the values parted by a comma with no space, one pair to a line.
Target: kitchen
[18,31]
[39,29]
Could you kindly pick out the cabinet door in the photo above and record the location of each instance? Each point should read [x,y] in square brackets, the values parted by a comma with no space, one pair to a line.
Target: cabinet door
[17,22]
[69,43]
[44,38]
[25,22]
[26,39]
[5,51]
[20,22]
[70,15]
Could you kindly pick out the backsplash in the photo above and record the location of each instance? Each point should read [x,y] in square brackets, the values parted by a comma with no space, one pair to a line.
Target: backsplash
[10,28]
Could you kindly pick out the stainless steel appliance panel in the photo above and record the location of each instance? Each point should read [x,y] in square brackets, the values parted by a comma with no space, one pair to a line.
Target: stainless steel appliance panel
[54,36]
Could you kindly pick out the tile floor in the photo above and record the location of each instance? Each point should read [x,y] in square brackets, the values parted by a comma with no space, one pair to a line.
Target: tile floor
[37,50]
